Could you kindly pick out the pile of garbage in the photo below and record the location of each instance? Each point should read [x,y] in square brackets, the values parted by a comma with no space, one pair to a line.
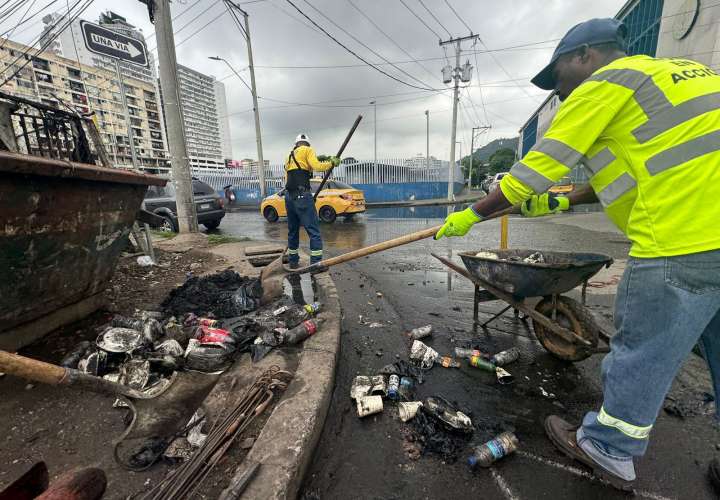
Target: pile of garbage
[436,424]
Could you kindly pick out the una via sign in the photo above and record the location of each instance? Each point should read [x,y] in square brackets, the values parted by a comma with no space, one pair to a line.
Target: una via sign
[109,43]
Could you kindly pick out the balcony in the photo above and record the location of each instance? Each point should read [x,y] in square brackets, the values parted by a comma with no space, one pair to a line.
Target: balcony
[74,73]
[41,64]
[77,87]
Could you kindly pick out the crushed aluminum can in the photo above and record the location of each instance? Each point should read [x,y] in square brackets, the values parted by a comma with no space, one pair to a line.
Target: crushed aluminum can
[379,385]
[503,377]
[369,405]
[421,332]
[135,373]
[120,340]
[360,387]
[170,347]
[423,353]
[408,409]
[535,258]
[505,357]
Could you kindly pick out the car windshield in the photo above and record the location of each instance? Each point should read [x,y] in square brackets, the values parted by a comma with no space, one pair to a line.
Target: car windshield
[165,191]
[201,188]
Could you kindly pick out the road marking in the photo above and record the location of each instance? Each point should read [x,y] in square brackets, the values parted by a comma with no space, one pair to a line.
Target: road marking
[502,484]
[584,474]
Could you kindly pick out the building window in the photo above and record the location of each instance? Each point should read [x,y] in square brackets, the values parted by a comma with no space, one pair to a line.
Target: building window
[643,24]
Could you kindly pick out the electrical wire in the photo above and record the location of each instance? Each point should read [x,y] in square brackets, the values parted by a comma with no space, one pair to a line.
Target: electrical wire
[458,16]
[379,70]
[22,19]
[199,30]
[482,98]
[365,45]
[434,17]
[421,20]
[50,40]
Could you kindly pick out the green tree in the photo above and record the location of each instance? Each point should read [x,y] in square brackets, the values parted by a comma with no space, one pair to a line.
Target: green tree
[501,160]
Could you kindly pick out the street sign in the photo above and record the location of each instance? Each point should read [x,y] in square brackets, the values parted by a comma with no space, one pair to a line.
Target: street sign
[113,44]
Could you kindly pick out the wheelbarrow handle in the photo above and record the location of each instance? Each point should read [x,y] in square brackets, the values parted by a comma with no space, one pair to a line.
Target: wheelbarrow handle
[48,373]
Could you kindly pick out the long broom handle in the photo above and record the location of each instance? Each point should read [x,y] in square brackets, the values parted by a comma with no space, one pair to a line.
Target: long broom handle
[339,153]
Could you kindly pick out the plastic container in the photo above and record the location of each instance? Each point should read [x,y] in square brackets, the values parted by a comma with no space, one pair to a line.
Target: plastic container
[369,405]
[393,387]
[421,332]
[505,357]
[301,332]
[495,449]
[478,362]
[466,352]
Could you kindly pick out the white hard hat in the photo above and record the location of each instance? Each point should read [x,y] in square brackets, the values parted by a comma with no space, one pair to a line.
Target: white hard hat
[302,137]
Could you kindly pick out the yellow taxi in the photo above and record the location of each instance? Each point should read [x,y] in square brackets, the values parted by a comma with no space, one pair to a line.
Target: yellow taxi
[336,198]
[563,186]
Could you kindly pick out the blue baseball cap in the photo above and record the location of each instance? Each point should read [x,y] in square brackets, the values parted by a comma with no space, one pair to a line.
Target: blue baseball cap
[592,32]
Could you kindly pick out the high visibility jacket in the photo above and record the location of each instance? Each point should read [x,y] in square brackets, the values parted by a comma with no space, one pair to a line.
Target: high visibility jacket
[648,132]
[298,173]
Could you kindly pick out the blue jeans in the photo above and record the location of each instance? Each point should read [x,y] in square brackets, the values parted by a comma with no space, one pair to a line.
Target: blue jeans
[663,307]
[301,212]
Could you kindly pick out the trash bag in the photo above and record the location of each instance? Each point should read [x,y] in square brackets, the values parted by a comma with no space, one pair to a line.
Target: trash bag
[225,294]
[434,436]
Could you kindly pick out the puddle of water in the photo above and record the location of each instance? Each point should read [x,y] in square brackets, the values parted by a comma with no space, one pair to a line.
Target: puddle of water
[300,288]
[413,212]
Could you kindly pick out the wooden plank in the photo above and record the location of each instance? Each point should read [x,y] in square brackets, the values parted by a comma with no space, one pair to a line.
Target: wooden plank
[264,249]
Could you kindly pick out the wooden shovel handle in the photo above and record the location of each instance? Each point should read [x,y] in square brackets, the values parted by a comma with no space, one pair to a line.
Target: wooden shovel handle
[31,369]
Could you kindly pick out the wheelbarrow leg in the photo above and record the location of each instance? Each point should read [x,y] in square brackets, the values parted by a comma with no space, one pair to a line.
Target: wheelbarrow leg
[496,316]
[476,304]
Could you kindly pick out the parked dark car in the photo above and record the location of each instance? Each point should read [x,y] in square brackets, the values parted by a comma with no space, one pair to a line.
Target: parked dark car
[210,206]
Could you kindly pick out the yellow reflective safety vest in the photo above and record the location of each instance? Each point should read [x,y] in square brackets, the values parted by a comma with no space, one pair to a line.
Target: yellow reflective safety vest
[648,132]
[300,165]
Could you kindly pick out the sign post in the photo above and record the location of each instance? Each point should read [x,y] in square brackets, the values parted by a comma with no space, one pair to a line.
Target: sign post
[108,43]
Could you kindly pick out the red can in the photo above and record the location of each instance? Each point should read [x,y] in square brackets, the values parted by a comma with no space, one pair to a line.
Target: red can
[206,334]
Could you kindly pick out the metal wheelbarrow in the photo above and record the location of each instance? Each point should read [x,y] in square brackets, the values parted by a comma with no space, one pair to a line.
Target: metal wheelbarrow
[564,326]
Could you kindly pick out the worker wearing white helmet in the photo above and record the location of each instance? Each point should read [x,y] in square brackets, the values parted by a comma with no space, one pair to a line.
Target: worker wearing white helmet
[299,202]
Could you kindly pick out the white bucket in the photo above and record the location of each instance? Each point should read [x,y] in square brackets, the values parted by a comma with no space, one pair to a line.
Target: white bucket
[369,405]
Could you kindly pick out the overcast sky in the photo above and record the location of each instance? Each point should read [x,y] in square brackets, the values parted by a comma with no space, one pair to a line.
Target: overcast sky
[283,41]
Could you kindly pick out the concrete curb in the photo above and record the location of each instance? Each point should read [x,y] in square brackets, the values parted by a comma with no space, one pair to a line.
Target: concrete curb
[286,444]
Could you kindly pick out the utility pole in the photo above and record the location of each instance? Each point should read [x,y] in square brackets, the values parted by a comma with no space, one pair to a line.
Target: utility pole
[472,149]
[427,138]
[374,103]
[186,212]
[458,74]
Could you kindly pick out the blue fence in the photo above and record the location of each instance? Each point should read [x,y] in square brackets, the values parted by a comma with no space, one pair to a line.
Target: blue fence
[388,180]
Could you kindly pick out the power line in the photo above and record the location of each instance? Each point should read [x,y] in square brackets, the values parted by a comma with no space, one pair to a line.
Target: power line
[365,45]
[390,38]
[500,65]
[482,99]
[458,16]
[420,19]
[354,53]
[199,29]
[22,20]
[179,30]
[436,19]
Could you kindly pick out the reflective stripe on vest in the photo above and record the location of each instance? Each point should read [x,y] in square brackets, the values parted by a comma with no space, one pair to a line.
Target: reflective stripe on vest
[601,160]
[532,179]
[630,430]
[646,93]
[675,115]
[616,189]
[559,152]
[681,153]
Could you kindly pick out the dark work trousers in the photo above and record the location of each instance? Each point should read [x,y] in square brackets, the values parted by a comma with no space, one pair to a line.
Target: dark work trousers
[301,212]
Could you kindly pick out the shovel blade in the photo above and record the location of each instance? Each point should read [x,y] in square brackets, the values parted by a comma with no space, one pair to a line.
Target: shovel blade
[271,280]
[157,420]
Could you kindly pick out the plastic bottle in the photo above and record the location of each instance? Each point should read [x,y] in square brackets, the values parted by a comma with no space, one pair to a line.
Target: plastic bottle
[448,362]
[393,386]
[505,357]
[466,352]
[295,314]
[301,331]
[478,362]
[407,388]
[495,449]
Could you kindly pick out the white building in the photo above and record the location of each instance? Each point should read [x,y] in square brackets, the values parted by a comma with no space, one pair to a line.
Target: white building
[202,100]
[420,161]
[670,28]
[223,119]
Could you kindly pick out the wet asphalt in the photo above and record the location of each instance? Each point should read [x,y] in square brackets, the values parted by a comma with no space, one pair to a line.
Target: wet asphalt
[405,288]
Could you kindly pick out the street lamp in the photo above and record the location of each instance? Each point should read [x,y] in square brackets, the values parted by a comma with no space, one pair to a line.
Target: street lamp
[258,137]
[374,103]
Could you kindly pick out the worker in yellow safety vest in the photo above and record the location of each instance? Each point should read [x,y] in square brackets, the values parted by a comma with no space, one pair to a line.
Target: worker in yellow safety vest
[647,130]
[299,200]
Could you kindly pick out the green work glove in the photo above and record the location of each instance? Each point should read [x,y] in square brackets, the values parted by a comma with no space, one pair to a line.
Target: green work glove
[334,160]
[544,204]
[323,157]
[458,223]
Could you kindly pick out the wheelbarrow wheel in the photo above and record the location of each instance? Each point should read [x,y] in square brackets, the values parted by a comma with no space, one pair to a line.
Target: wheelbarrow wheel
[573,316]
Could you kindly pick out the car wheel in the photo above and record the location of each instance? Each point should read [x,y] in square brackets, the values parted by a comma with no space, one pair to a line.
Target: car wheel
[327,214]
[270,214]
[168,226]
[212,225]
